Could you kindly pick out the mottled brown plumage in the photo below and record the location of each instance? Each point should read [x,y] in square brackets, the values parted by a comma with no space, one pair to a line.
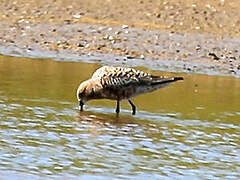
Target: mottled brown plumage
[120,83]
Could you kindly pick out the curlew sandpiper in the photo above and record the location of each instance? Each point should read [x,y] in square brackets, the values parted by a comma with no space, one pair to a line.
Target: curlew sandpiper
[120,83]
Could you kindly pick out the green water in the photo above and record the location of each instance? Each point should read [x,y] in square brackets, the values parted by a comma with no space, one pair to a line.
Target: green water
[190,129]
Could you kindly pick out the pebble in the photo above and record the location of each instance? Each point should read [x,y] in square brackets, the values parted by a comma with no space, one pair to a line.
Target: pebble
[142,56]
[77,16]
[124,26]
[110,38]
[215,57]
[21,20]
[198,47]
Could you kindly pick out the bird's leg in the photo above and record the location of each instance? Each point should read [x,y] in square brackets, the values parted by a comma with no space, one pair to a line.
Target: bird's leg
[133,107]
[118,107]
[81,105]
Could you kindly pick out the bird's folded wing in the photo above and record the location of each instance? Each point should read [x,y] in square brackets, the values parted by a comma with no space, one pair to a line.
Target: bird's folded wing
[119,82]
[123,82]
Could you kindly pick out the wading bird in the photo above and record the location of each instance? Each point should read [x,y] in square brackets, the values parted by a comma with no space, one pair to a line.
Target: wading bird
[120,83]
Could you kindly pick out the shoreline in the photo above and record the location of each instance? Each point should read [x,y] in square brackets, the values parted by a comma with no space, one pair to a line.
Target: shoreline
[92,35]
[209,68]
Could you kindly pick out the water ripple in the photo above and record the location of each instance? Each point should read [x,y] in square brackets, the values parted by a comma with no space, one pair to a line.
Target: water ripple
[50,141]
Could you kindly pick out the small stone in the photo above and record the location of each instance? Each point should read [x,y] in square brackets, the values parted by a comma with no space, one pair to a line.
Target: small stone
[21,20]
[232,71]
[67,21]
[105,37]
[130,57]
[29,49]
[101,28]
[124,26]
[77,16]
[233,58]
[214,56]
[110,38]
[79,45]
[198,47]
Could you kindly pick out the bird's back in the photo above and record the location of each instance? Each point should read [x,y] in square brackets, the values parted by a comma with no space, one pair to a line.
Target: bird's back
[125,83]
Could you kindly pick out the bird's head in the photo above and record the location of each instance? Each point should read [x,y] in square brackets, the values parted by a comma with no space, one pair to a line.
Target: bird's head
[85,92]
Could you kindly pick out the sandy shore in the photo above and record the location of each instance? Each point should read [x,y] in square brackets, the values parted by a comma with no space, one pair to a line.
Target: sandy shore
[179,35]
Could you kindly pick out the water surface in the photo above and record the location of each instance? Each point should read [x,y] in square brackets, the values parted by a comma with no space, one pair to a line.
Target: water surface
[188,130]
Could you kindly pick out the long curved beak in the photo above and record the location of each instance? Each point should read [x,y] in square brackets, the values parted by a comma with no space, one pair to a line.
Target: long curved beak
[80,105]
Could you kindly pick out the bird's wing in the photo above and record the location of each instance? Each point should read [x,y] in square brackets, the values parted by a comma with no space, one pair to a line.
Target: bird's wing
[103,71]
[118,82]
[120,77]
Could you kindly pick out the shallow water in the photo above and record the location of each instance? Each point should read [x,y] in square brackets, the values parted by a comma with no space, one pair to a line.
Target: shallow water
[188,130]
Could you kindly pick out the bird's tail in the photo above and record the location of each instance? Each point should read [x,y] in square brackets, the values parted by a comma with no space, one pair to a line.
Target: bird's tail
[161,81]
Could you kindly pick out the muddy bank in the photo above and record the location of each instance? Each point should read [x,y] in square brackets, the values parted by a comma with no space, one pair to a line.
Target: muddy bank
[182,36]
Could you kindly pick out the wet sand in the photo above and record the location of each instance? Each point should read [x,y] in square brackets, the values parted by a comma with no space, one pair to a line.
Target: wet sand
[180,36]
